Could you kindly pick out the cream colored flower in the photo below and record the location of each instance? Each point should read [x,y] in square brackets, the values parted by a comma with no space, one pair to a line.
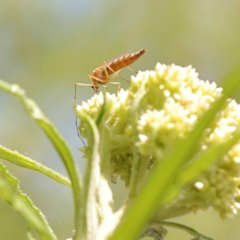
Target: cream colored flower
[159,107]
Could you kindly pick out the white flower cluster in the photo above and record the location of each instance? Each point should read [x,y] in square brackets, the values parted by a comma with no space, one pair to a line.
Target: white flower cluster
[159,107]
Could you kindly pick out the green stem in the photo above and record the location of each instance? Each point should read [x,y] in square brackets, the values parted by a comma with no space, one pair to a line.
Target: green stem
[89,214]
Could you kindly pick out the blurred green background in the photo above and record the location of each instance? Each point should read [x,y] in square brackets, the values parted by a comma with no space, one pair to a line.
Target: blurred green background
[47,46]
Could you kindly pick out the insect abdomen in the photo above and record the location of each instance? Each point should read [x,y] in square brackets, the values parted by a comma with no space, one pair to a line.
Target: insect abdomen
[124,61]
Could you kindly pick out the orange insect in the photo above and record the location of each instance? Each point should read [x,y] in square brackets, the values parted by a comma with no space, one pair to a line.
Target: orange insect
[100,75]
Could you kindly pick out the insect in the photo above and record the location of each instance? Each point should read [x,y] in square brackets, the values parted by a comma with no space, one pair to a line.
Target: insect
[101,75]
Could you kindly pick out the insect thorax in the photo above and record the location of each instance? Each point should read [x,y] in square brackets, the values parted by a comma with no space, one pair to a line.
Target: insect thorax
[99,76]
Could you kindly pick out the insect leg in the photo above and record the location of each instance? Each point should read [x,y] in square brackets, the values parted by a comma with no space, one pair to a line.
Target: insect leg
[116,83]
[115,74]
[104,86]
[78,132]
[132,70]
[98,79]
[105,65]
[75,105]
[80,84]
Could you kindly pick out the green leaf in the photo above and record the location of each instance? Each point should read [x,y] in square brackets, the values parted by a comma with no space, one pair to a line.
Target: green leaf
[206,159]
[55,137]
[10,192]
[25,162]
[191,231]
